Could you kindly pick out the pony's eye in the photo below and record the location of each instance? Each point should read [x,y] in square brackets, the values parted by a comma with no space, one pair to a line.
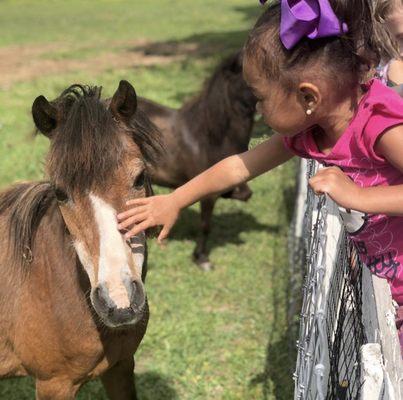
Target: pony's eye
[61,195]
[139,181]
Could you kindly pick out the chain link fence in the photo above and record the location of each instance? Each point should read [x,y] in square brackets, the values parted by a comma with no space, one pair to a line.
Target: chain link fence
[346,325]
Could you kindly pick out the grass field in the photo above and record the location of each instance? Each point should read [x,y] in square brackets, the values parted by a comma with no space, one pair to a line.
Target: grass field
[220,335]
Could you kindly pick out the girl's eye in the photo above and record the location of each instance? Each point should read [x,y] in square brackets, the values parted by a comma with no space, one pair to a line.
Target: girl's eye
[61,195]
[139,181]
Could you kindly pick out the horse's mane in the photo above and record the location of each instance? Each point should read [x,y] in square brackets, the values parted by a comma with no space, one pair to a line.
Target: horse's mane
[26,204]
[224,97]
[86,148]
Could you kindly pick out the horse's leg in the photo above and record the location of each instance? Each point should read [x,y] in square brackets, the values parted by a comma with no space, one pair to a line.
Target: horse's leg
[200,254]
[55,389]
[119,381]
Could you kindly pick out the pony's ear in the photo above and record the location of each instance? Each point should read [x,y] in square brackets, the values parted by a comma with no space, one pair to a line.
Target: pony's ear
[45,115]
[124,101]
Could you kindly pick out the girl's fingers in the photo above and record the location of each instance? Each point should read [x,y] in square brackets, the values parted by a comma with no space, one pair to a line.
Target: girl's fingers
[315,179]
[138,202]
[318,185]
[163,234]
[133,220]
[131,212]
[137,229]
[319,189]
[322,173]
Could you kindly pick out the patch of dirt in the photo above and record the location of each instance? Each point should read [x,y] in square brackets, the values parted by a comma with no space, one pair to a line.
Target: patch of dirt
[186,48]
[25,63]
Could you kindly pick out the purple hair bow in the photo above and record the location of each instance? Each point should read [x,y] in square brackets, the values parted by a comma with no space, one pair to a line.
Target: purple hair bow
[308,18]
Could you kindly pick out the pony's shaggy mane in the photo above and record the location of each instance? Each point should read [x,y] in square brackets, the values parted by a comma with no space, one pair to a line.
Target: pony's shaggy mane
[26,205]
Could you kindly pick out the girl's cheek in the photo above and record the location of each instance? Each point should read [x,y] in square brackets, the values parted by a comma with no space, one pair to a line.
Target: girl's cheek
[395,22]
[399,39]
[259,108]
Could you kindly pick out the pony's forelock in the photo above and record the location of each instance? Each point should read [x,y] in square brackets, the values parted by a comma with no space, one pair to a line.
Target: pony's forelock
[87,146]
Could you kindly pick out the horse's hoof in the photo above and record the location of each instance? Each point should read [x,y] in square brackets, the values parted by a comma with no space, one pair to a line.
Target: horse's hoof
[205,266]
[202,261]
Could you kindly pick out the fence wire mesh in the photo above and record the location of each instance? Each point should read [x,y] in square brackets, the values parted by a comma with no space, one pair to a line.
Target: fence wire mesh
[344,318]
[330,330]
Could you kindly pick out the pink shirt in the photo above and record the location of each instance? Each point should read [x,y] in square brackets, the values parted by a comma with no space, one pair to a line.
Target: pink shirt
[377,238]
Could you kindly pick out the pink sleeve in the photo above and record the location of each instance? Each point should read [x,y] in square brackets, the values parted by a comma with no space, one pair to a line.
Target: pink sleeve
[296,144]
[382,119]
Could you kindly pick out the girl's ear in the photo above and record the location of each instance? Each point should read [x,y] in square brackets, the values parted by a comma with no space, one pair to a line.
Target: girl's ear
[124,102]
[44,115]
[309,96]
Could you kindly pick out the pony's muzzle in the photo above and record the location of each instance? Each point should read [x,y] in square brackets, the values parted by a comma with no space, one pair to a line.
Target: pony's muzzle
[114,316]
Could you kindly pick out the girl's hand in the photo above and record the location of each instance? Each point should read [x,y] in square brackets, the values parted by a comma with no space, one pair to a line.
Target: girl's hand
[148,212]
[338,186]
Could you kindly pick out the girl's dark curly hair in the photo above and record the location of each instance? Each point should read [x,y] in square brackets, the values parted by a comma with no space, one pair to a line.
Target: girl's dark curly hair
[344,60]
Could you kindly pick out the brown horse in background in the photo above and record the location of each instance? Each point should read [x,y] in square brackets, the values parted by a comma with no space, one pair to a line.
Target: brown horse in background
[213,125]
[72,300]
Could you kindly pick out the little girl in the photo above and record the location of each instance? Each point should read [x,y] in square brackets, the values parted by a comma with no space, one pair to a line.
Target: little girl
[390,12]
[305,61]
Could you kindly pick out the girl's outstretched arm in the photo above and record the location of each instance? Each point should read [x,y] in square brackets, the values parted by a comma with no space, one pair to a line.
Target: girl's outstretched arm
[226,174]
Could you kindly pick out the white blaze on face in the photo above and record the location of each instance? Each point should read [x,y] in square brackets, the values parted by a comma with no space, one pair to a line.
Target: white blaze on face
[114,254]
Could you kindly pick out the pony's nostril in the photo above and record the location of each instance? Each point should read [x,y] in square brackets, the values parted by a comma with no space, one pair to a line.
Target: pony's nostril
[101,295]
[137,295]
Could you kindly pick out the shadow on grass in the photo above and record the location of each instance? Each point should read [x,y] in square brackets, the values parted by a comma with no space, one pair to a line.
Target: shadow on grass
[289,195]
[153,386]
[206,44]
[281,354]
[250,13]
[197,46]
[150,386]
[276,377]
[226,227]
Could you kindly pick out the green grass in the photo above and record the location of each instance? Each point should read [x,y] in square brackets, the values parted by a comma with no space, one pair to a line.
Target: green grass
[218,335]
[47,21]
